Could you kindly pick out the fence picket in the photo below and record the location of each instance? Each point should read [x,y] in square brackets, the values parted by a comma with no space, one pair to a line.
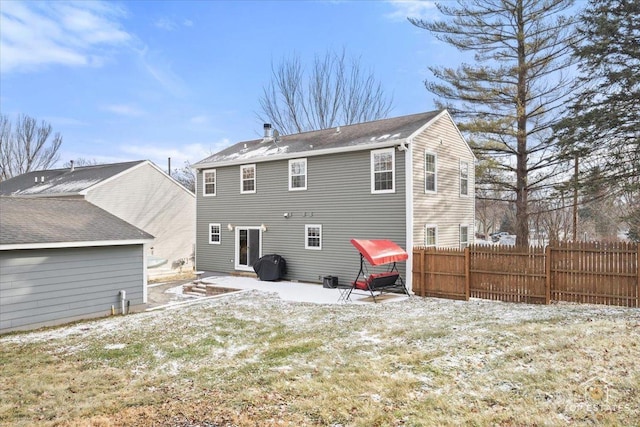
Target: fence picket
[582,272]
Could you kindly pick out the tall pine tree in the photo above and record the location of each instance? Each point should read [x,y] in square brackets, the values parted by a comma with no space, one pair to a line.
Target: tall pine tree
[603,126]
[509,99]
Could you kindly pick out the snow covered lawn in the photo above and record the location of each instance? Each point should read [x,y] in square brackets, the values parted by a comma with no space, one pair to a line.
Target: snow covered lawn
[253,358]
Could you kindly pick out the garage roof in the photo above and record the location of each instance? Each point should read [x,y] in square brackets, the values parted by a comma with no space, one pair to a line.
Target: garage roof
[31,223]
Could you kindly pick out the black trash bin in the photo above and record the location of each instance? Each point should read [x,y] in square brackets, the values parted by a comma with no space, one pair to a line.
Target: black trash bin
[270,267]
[330,282]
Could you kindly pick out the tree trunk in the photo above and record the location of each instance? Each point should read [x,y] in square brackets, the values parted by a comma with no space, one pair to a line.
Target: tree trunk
[522,190]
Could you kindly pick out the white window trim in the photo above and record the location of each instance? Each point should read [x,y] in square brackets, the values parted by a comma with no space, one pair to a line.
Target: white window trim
[460,179]
[306,237]
[306,172]
[211,242]
[204,183]
[393,171]
[435,172]
[460,235]
[426,227]
[255,179]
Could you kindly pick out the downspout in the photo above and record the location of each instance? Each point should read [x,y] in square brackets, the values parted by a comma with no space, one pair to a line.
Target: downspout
[123,299]
[145,282]
[407,148]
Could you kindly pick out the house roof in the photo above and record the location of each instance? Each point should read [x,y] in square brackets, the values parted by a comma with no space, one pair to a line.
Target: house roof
[62,181]
[361,136]
[29,223]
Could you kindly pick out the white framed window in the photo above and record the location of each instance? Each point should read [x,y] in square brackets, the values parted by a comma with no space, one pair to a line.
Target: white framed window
[430,172]
[247,179]
[209,183]
[430,235]
[313,237]
[464,178]
[297,174]
[214,234]
[383,170]
[464,236]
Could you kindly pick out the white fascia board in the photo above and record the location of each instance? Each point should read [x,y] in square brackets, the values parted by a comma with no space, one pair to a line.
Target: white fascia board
[58,245]
[171,178]
[443,113]
[132,168]
[299,154]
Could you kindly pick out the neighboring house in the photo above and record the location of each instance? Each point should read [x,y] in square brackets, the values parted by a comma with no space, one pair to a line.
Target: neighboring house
[63,260]
[138,192]
[409,179]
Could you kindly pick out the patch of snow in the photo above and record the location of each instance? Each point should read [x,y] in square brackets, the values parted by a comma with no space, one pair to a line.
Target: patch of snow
[178,290]
[53,186]
[114,346]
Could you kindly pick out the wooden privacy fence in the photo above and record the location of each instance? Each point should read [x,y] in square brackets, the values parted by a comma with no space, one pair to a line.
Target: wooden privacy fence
[582,272]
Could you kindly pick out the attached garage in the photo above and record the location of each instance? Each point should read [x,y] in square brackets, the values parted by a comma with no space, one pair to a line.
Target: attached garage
[64,260]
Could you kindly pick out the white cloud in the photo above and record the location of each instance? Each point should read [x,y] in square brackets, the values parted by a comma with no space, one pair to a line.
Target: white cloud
[37,34]
[124,110]
[404,9]
[199,120]
[179,154]
[165,24]
[170,25]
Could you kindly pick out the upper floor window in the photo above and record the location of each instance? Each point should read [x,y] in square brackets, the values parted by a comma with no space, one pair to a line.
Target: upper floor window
[247,179]
[297,174]
[313,237]
[430,177]
[464,178]
[209,183]
[214,234]
[383,170]
[430,235]
[464,236]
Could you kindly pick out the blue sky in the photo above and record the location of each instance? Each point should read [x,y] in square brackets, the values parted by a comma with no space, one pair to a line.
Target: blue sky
[155,79]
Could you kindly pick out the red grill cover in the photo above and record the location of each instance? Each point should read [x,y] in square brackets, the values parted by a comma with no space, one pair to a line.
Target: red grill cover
[379,252]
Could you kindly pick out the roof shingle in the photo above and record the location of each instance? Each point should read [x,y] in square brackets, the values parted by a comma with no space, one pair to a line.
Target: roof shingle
[361,134]
[50,220]
[62,181]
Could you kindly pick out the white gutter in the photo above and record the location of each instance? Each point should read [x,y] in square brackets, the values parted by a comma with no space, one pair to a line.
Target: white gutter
[84,244]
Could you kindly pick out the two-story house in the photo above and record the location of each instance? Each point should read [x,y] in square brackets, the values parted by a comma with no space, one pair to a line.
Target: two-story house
[409,179]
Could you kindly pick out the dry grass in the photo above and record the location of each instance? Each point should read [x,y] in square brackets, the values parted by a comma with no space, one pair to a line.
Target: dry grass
[250,359]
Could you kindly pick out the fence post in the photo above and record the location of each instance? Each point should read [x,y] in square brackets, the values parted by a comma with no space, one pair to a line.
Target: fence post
[547,273]
[467,275]
[423,266]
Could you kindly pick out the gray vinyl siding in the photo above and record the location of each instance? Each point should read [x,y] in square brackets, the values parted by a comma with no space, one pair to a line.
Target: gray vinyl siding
[445,208]
[153,202]
[338,197]
[41,287]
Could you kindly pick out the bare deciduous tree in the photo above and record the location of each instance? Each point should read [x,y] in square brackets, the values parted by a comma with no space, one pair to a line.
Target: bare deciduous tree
[186,176]
[335,91]
[26,146]
[80,162]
